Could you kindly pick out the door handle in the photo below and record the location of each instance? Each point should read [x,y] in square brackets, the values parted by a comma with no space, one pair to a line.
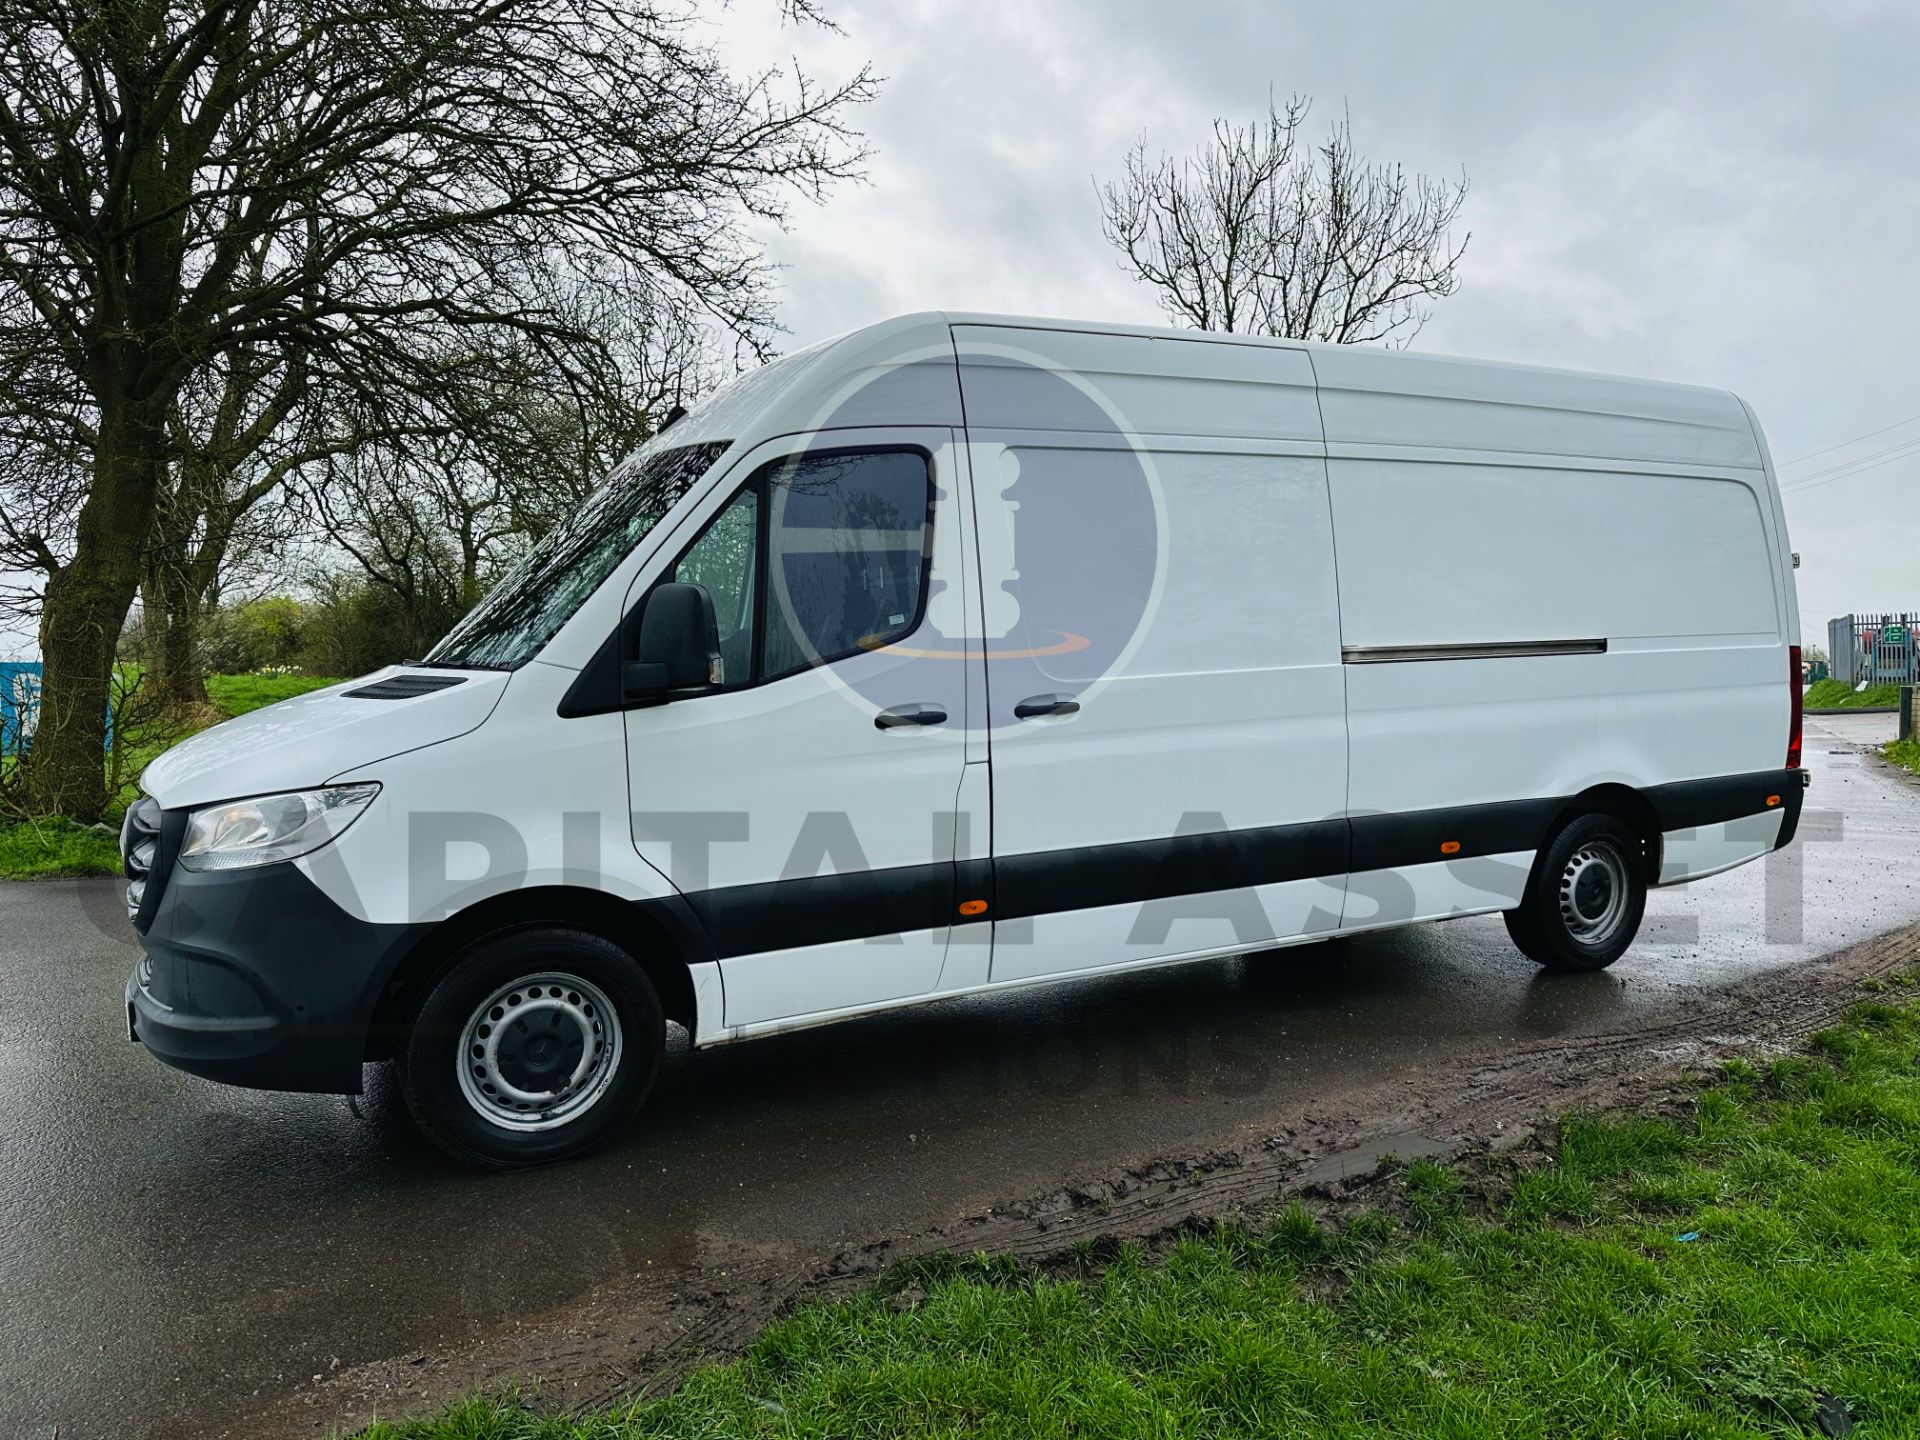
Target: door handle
[1034,706]
[917,714]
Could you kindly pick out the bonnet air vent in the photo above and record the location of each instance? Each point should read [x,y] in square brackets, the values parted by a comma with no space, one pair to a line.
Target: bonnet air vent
[405,687]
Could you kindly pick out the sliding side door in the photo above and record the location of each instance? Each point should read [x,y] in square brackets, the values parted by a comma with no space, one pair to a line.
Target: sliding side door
[1165,692]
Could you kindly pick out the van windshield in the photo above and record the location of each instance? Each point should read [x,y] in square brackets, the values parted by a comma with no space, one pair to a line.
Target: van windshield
[535,598]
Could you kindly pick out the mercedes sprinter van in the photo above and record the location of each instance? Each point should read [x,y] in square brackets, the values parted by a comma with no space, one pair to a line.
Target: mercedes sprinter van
[968,652]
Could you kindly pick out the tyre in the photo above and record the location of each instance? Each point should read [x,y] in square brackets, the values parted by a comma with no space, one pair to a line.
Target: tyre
[1585,898]
[533,1047]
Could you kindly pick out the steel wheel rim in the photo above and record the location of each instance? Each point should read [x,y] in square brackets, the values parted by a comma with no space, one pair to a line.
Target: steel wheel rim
[1594,892]
[539,1052]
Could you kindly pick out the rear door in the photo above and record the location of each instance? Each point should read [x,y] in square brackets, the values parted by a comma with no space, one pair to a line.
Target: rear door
[1165,694]
[808,810]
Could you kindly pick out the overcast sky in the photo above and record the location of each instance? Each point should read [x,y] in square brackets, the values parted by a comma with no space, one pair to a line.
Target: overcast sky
[1723,194]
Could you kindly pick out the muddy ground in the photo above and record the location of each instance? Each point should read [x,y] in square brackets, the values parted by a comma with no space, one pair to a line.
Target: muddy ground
[636,1336]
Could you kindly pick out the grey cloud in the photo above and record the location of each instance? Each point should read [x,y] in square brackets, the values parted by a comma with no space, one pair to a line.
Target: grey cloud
[1716,193]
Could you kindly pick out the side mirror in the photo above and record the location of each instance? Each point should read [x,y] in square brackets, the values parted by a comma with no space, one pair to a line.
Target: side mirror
[679,646]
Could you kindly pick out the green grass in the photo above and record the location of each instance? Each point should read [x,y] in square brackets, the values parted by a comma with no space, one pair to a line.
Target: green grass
[1708,1274]
[237,694]
[1903,752]
[38,849]
[1833,694]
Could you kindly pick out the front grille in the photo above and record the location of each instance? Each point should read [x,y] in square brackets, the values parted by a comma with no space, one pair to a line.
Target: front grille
[139,850]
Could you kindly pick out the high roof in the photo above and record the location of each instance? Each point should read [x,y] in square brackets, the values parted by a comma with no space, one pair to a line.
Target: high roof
[1368,396]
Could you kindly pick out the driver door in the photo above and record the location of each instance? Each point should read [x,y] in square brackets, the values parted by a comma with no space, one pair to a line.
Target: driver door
[808,806]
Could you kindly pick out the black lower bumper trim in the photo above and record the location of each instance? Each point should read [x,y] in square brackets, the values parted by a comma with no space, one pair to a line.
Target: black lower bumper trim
[1689,804]
[257,978]
[1791,801]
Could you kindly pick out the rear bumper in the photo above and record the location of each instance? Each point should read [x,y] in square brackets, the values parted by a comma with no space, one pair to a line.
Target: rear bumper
[1792,799]
[1708,826]
[257,978]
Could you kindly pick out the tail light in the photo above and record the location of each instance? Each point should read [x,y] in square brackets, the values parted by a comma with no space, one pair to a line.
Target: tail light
[1793,727]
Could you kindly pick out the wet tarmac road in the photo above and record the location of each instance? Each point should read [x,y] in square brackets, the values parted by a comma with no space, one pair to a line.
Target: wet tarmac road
[174,1254]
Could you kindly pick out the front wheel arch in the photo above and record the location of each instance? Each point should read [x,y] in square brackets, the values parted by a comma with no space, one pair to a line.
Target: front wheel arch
[662,942]
[535,1046]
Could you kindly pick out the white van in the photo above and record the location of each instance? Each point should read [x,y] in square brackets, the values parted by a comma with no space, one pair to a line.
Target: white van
[966,652]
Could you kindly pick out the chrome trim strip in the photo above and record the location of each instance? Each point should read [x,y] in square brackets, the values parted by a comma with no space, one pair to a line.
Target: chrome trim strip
[1487,650]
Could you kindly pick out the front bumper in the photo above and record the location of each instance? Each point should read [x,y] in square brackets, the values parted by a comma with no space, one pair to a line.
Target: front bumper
[257,978]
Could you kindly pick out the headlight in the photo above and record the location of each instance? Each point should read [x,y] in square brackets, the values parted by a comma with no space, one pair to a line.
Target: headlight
[273,827]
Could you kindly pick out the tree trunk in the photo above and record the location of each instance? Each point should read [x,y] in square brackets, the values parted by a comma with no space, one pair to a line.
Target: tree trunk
[170,610]
[171,627]
[85,606]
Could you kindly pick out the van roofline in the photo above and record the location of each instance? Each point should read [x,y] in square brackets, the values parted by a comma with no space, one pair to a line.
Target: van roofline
[927,319]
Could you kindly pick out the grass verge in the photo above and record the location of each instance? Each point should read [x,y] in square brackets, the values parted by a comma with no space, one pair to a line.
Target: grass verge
[1905,753]
[237,694]
[40,849]
[1833,694]
[1747,1267]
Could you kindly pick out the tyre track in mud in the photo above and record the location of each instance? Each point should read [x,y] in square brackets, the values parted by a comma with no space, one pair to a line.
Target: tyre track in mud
[638,1335]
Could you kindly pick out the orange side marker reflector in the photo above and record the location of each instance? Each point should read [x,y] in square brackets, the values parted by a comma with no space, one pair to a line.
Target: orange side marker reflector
[973,907]
[1449,847]
[1773,799]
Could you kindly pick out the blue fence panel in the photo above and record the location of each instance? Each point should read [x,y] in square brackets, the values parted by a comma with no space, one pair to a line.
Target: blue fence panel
[19,704]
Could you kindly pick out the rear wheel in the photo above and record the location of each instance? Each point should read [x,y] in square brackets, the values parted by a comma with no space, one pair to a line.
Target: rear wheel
[533,1047]
[1585,898]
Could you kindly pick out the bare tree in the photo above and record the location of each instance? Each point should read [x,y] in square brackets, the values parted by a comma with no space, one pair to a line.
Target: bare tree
[432,515]
[240,426]
[507,447]
[375,195]
[1252,234]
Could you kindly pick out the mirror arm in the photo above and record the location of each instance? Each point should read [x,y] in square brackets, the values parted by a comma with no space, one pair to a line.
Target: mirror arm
[643,682]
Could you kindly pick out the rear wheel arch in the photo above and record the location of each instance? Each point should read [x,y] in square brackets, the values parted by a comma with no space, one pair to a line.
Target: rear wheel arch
[662,940]
[1626,805]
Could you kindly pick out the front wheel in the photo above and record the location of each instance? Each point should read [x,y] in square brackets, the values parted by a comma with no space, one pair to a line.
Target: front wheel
[1585,898]
[533,1047]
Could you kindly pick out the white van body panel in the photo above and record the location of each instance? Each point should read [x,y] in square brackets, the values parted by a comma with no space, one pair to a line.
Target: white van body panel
[1478,503]
[310,738]
[1180,734]
[510,807]
[1436,890]
[1704,850]
[1374,396]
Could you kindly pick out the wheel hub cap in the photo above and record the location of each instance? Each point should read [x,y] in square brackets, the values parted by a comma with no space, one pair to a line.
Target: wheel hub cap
[1593,893]
[539,1052]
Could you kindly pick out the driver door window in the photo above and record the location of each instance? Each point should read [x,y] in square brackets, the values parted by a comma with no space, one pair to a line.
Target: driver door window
[847,549]
[726,561]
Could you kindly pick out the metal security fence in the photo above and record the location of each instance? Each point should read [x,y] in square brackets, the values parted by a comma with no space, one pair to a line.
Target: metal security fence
[1874,649]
